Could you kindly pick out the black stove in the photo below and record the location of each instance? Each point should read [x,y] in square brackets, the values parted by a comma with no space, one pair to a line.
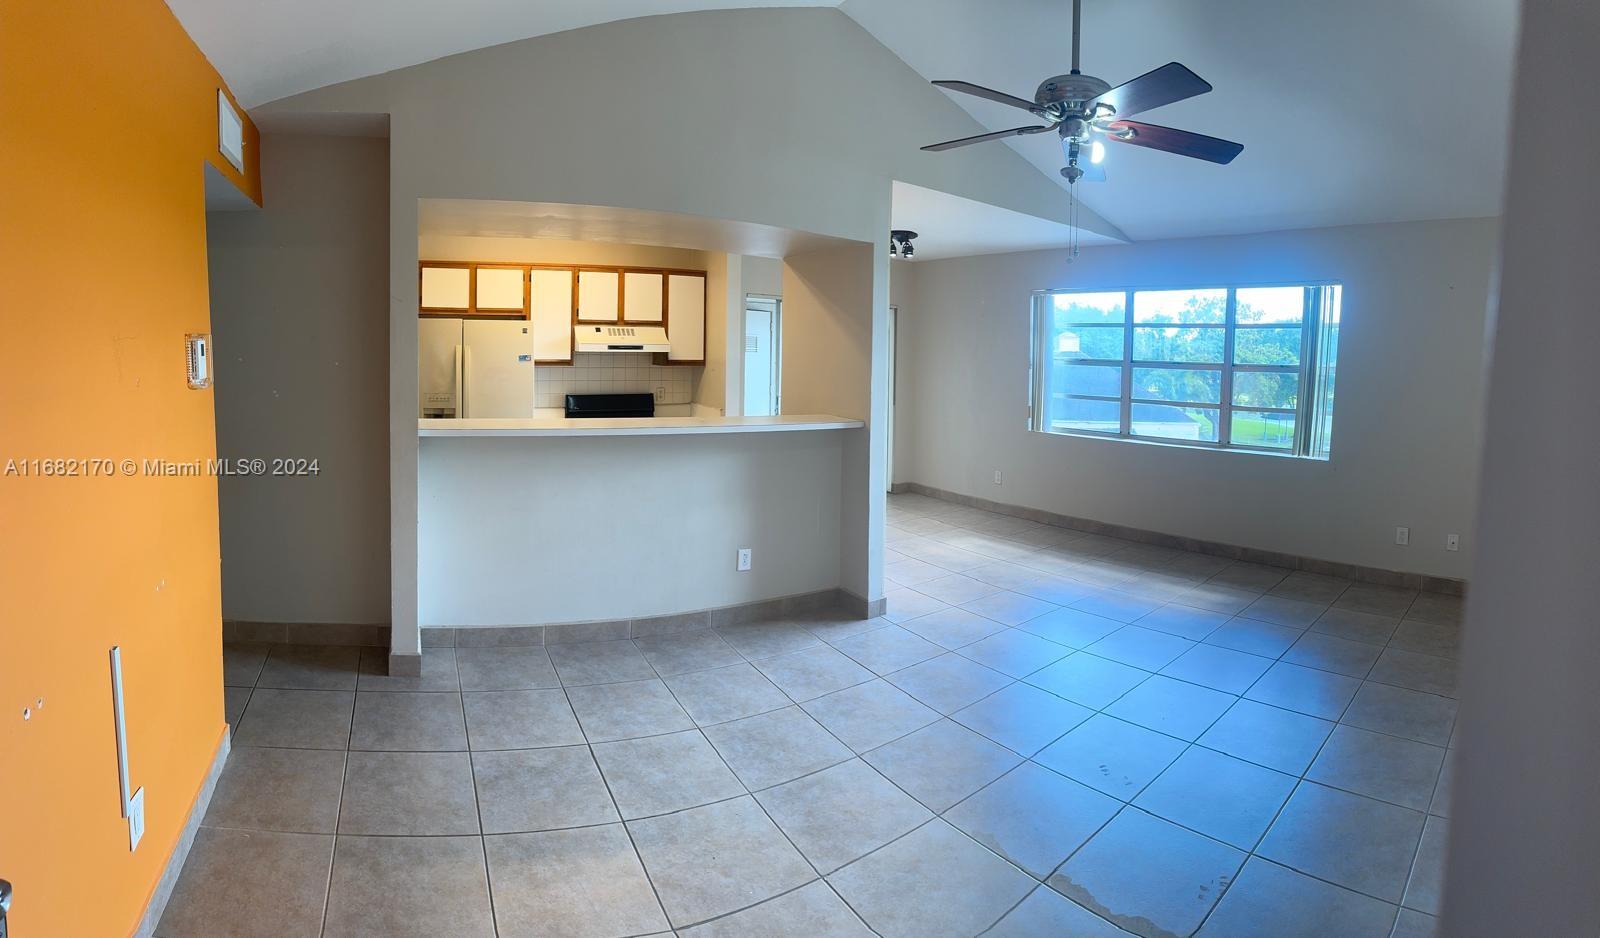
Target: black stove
[611,405]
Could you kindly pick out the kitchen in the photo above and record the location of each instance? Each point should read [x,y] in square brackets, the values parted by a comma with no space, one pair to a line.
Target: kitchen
[579,414]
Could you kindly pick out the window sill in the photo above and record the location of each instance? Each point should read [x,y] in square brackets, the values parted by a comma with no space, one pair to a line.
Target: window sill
[1176,444]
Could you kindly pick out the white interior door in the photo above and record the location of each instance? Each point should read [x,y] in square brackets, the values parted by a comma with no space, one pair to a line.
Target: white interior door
[762,334]
[497,362]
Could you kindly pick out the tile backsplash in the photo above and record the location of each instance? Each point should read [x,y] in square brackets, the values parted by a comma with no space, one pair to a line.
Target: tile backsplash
[614,373]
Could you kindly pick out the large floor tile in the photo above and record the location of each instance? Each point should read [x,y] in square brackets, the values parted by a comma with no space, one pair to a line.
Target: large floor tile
[1399,711]
[951,628]
[1316,693]
[1272,901]
[1124,607]
[1254,638]
[297,719]
[1224,798]
[723,694]
[1149,876]
[1184,622]
[1015,652]
[1047,912]
[1141,648]
[1347,839]
[409,887]
[1427,673]
[439,672]
[931,883]
[1008,608]
[1425,888]
[1429,638]
[406,722]
[841,814]
[1033,817]
[1413,924]
[295,790]
[599,662]
[242,661]
[1270,736]
[1315,588]
[812,911]
[775,747]
[1376,600]
[311,667]
[941,764]
[868,715]
[1281,610]
[1111,756]
[1022,717]
[1388,768]
[1329,653]
[687,651]
[584,883]
[540,789]
[234,700]
[520,719]
[626,711]
[1071,627]
[1176,708]
[1356,625]
[888,649]
[812,672]
[249,884]
[1255,577]
[1217,597]
[510,668]
[658,774]
[955,588]
[765,639]
[1218,668]
[1088,680]
[716,859]
[409,793]
[949,682]
[906,603]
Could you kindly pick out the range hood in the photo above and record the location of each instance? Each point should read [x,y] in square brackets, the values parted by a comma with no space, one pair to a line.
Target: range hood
[591,338]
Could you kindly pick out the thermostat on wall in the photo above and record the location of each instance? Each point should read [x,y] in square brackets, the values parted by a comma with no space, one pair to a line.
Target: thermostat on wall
[197,352]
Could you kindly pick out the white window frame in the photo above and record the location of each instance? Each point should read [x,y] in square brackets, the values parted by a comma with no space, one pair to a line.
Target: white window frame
[1312,440]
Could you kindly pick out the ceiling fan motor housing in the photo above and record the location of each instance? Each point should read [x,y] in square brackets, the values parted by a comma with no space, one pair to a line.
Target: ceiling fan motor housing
[1072,92]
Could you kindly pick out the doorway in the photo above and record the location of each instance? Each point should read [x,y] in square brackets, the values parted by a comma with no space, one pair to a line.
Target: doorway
[888,474]
[763,338]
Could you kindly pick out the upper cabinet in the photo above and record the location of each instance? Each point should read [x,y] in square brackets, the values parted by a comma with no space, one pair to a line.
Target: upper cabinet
[599,295]
[686,319]
[446,287]
[550,308]
[500,289]
[643,297]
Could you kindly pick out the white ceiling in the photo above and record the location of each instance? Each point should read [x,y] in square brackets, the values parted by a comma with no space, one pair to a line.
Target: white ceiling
[1354,111]
[951,226]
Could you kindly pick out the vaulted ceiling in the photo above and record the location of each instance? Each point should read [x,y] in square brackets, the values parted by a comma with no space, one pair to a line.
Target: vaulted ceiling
[1352,112]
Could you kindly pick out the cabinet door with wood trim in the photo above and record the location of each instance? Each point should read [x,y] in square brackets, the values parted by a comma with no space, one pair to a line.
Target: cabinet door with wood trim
[599,295]
[446,288]
[686,319]
[643,297]
[550,308]
[500,290]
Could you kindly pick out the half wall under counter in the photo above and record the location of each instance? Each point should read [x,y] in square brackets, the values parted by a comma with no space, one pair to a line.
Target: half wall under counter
[631,426]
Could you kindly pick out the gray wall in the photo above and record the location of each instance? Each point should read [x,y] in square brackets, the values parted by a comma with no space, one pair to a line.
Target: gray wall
[1406,422]
[299,313]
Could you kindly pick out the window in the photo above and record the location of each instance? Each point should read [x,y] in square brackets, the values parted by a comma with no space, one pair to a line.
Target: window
[1248,368]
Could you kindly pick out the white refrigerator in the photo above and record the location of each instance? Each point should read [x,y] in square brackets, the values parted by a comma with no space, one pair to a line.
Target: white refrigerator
[475,368]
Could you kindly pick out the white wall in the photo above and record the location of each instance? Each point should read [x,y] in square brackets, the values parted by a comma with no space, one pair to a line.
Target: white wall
[299,314]
[1406,421]
[1524,851]
[568,529]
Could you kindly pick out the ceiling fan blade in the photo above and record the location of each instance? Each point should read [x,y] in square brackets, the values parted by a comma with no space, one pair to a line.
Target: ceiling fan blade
[1171,82]
[1181,142]
[967,87]
[980,138]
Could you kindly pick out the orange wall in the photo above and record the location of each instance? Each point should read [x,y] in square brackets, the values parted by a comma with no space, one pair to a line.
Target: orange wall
[107,111]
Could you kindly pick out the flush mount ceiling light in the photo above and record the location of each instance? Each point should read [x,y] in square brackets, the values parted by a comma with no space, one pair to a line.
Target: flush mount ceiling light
[900,243]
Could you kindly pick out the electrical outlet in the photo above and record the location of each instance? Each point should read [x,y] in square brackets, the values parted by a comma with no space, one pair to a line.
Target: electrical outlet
[997,477]
[1452,542]
[1402,536]
[661,395]
[136,819]
[744,559]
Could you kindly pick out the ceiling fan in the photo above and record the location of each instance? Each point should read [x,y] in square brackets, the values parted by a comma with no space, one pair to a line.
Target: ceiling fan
[1081,108]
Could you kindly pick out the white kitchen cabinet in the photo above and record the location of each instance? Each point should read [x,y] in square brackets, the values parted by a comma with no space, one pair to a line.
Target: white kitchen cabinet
[686,319]
[550,308]
[599,295]
[499,289]
[446,288]
[643,297]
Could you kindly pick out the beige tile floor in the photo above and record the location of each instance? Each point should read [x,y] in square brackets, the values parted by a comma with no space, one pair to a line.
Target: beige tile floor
[1049,734]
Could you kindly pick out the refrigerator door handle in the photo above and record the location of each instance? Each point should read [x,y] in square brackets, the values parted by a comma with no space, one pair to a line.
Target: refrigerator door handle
[460,380]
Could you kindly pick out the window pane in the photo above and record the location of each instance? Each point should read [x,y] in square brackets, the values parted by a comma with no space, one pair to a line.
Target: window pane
[1266,346]
[1196,306]
[1178,384]
[1072,413]
[1253,429]
[1089,307]
[1327,367]
[1101,342]
[1174,344]
[1175,423]
[1266,389]
[1097,380]
[1270,304]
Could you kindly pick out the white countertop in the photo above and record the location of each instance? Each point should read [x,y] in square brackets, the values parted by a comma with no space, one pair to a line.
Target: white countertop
[631,426]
